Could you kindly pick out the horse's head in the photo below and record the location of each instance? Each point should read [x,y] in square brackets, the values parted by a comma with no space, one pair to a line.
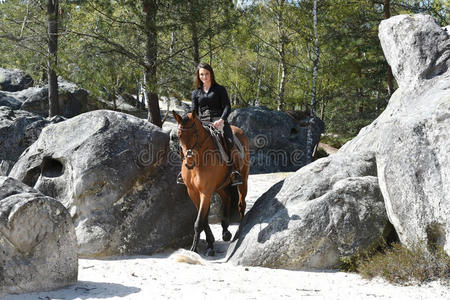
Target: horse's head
[187,129]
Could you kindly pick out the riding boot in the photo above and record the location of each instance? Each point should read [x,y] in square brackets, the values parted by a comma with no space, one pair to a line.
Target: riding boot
[235,176]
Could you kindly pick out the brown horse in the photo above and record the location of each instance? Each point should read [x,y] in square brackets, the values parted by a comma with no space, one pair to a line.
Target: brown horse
[204,172]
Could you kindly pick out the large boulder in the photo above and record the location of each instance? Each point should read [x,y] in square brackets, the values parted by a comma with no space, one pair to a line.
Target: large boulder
[7,100]
[326,210]
[72,100]
[277,140]
[416,48]
[38,247]
[411,138]
[18,130]
[110,171]
[13,80]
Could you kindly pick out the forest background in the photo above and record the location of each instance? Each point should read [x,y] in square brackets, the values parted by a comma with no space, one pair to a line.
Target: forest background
[286,55]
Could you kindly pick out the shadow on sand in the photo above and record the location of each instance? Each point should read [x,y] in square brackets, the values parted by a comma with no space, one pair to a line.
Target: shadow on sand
[81,290]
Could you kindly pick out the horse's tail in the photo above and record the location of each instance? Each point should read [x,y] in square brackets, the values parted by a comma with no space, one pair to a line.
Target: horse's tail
[234,203]
[185,256]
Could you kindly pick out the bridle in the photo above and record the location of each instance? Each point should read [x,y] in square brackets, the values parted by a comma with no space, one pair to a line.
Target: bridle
[199,146]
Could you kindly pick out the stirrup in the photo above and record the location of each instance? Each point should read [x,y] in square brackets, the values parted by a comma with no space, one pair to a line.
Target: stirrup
[179,179]
[236,178]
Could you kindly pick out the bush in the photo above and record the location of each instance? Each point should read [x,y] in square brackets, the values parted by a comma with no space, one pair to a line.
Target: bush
[401,265]
[335,141]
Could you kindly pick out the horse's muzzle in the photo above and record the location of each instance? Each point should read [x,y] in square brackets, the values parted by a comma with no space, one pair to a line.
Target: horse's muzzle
[189,154]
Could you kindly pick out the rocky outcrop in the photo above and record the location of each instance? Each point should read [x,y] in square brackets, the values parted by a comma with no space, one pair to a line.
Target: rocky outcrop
[411,138]
[38,247]
[110,171]
[72,100]
[416,48]
[13,80]
[18,130]
[325,211]
[277,141]
[7,100]
[409,141]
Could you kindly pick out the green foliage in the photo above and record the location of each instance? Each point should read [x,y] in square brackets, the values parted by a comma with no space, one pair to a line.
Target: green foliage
[23,43]
[103,45]
[401,265]
[334,140]
[404,265]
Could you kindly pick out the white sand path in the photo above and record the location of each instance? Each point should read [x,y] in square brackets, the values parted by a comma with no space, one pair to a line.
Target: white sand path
[161,277]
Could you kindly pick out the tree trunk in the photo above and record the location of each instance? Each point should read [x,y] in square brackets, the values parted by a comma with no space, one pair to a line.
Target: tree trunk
[52,60]
[173,40]
[282,54]
[322,110]
[193,7]
[258,89]
[389,76]
[210,36]
[310,138]
[283,80]
[150,9]
[316,61]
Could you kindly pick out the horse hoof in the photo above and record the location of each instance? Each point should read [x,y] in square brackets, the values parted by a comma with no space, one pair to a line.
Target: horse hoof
[226,236]
[210,252]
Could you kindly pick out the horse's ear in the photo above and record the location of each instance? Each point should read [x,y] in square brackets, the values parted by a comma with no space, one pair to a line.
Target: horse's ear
[194,115]
[176,116]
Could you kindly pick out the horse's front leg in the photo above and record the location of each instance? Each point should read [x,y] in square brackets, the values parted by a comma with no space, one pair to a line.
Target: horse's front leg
[205,200]
[201,223]
[198,228]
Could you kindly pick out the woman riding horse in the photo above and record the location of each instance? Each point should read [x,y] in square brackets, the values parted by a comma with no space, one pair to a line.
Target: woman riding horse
[203,171]
[211,103]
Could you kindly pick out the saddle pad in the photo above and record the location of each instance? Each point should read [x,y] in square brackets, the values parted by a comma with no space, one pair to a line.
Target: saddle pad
[218,139]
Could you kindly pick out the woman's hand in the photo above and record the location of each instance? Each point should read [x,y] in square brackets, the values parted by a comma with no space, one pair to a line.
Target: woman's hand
[219,123]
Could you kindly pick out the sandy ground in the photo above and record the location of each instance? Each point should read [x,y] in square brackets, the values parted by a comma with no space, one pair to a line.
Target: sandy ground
[162,277]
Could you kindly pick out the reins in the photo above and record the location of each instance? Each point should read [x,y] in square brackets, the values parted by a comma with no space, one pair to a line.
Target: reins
[190,152]
[199,146]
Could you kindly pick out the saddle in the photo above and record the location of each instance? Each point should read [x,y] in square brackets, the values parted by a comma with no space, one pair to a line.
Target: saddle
[220,143]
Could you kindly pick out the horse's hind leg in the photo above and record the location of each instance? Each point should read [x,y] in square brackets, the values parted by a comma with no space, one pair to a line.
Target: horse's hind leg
[226,214]
[209,240]
[242,194]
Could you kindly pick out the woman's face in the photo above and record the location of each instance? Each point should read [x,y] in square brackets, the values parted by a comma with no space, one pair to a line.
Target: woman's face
[205,76]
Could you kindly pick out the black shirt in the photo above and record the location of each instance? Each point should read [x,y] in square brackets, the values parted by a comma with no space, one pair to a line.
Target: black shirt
[214,104]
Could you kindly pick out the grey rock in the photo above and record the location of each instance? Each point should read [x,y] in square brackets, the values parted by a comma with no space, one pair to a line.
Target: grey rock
[23,95]
[411,137]
[38,247]
[415,53]
[277,141]
[14,80]
[112,173]
[5,167]
[326,210]
[18,130]
[6,100]
[72,100]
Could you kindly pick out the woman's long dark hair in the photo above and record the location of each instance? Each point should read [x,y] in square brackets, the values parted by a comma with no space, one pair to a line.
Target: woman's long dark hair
[197,82]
